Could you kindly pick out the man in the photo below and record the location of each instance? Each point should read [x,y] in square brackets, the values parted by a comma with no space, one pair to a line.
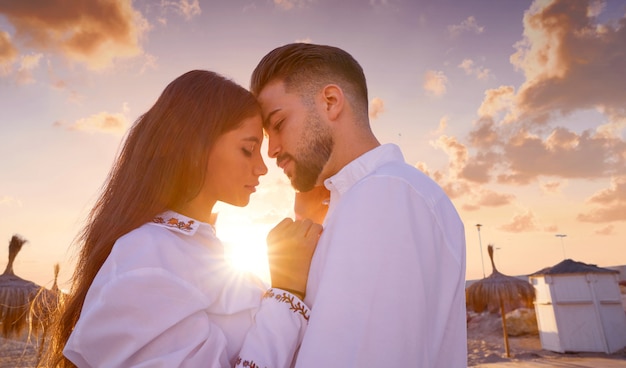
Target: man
[386,285]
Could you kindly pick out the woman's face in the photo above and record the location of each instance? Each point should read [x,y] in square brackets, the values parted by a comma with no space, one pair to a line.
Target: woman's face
[235,164]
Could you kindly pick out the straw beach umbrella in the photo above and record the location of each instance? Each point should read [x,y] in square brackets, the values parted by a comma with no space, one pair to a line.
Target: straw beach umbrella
[497,291]
[15,294]
[44,305]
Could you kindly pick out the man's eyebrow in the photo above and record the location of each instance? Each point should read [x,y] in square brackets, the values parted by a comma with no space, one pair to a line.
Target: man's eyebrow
[266,121]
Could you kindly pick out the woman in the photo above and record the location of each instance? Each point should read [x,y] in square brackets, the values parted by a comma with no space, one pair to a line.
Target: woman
[152,287]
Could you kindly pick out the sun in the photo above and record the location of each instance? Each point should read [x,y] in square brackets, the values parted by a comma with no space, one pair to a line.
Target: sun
[246,250]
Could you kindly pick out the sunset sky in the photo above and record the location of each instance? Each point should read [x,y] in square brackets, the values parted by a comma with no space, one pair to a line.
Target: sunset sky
[516,108]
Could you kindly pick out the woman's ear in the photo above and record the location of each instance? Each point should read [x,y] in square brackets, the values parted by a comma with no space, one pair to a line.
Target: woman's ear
[333,99]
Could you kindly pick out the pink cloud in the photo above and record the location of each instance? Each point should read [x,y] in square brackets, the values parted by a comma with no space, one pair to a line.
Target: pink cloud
[103,122]
[612,202]
[520,223]
[92,32]
[468,25]
[570,61]
[8,53]
[435,83]
[552,186]
[607,230]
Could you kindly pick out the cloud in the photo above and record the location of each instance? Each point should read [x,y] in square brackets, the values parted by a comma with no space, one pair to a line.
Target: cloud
[520,223]
[497,100]
[150,62]
[103,122]
[565,56]
[616,193]
[189,9]
[91,32]
[290,4]
[186,8]
[377,106]
[456,151]
[478,168]
[27,64]
[551,229]
[566,154]
[607,230]
[441,127]
[612,202]
[9,201]
[8,53]
[468,25]
[615,212]
[570,61]
[486,135]
[490,198]
[552,186]
[435,83]
[479,72]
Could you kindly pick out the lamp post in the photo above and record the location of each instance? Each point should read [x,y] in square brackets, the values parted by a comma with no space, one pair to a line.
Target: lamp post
[480,244]
[562,243]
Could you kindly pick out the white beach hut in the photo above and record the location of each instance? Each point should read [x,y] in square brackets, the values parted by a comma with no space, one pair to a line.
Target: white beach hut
[579,308]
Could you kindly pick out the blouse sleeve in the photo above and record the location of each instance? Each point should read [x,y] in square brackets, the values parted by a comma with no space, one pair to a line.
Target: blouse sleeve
[277,331]
[144,318]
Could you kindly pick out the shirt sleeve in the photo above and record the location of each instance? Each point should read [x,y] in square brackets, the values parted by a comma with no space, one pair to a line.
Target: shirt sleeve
[276,332]
[146,318]
[388,280]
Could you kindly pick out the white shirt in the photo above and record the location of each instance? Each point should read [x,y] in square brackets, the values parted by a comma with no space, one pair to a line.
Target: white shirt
[387,282]
[166,297]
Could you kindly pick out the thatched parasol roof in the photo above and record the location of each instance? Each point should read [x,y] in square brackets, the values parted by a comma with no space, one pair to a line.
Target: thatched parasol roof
[15,294]
[45,303]
[43,307]
[499,292]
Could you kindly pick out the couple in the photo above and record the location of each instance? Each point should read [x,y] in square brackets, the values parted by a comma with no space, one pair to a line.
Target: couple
[385,287]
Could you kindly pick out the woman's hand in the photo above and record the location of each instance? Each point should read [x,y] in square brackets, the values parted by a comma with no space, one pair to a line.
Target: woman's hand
[290,246]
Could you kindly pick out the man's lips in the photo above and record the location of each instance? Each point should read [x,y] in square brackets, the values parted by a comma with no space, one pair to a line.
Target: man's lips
[282,162]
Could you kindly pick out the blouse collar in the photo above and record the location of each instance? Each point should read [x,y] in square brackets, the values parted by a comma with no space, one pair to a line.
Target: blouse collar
[180,223]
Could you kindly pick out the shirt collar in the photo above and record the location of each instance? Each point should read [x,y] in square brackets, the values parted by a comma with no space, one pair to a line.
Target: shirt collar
[179,223]
[362,166]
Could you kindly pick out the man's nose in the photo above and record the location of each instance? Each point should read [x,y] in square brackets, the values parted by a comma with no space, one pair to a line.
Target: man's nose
[273,147]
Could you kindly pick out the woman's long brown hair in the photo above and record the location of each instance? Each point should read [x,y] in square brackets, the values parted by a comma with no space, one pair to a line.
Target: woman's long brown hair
[161,165]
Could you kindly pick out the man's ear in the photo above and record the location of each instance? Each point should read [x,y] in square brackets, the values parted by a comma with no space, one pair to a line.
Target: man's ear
[333,99]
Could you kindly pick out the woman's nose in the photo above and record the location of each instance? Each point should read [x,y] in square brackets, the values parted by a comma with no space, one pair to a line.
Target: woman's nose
[260,168]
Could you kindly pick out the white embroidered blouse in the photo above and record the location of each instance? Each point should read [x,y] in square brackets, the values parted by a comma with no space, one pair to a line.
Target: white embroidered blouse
[167,297]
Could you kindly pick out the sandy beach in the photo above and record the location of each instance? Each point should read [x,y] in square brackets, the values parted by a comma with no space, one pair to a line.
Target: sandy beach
[17,353]
[485,345]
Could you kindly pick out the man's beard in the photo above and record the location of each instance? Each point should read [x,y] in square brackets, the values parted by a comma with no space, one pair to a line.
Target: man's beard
[317,145]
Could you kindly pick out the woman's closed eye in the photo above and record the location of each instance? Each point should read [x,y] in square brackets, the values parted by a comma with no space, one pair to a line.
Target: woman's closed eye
[247,152]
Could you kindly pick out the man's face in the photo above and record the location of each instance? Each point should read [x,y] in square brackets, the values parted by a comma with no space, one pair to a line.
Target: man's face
[298,136]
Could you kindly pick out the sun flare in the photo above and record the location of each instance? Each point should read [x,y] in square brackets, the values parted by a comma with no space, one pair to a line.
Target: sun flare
[247,250]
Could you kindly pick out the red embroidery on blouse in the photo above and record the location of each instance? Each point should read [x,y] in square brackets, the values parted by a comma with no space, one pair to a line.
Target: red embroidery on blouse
[174,222]
[294,303]
[246,363]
